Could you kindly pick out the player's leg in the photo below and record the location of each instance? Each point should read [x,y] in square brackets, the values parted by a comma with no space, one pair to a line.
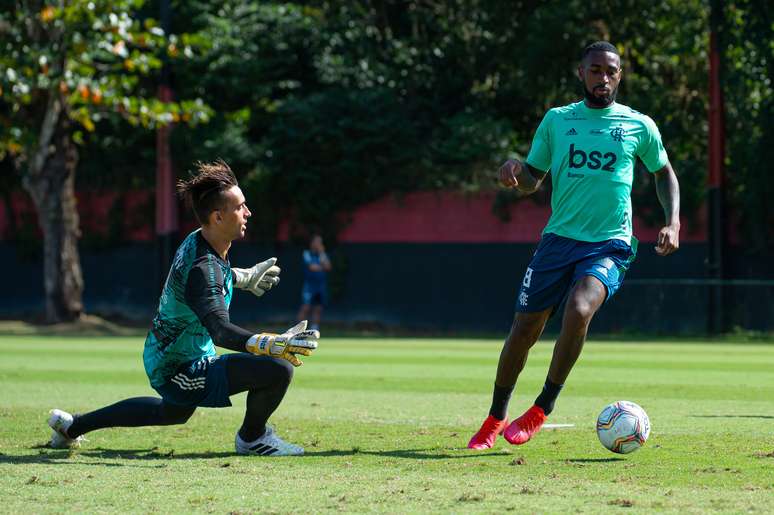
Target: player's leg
[134,412]
[545,283]
[303,312]
[584,300]
[525,331]
[306,302]
[319,297]
[316,316]
[596,277]
[266,381]
[201,382]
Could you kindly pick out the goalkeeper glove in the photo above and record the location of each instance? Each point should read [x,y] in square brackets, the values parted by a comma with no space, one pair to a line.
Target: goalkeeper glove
[296,340]
[259,278]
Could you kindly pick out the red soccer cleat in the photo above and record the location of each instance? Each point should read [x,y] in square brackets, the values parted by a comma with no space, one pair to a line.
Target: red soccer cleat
[525,427]
[486,436]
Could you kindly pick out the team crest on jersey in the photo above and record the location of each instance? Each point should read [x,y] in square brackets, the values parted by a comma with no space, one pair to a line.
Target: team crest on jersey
[618,133]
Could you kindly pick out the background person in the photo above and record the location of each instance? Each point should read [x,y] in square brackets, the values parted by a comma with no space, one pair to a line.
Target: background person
[314,293]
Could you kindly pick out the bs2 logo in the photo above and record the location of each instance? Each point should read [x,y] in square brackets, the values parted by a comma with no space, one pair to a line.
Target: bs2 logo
[579,159]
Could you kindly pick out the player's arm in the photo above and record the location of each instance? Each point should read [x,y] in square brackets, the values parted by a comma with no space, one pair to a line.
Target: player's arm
[517,174]
[204,295]
[527,178]
[668,191]
[325,262]
[309,264]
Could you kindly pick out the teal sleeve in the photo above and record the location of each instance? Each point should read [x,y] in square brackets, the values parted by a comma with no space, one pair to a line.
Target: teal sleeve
[651,149]
[539,156]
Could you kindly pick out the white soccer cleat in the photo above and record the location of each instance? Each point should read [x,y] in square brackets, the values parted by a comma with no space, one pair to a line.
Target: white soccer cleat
[268,445]
[60,421]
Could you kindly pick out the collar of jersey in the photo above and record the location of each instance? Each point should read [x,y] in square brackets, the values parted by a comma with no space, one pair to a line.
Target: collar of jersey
[206,243]
[597,112]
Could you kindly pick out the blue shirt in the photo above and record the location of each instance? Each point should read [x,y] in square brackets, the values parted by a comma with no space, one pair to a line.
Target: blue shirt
[311,277]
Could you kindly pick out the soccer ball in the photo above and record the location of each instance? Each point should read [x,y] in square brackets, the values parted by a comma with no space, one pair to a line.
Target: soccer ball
[623,427]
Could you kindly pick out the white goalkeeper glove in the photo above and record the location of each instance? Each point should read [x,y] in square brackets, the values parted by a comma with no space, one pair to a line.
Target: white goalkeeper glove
[296,340]
[257,279]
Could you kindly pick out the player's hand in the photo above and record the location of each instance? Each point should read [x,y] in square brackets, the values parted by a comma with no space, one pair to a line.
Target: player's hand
[668,240]
[296,340]
[509,173]
[259,278]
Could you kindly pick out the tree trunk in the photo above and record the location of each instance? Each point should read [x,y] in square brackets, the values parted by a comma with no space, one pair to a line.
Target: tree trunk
[50,180]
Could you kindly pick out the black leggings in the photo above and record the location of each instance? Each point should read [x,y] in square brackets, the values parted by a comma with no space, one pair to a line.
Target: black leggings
[265,379]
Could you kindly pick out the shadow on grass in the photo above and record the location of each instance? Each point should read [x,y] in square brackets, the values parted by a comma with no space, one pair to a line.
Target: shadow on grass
[733,416]
[66,456]
[63,457]
[415,454]
[152,454]
[47,455]
[593,460]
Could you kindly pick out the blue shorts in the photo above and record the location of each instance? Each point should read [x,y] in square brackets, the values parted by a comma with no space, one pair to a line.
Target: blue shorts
[314,294]
[202,382]
[559,262]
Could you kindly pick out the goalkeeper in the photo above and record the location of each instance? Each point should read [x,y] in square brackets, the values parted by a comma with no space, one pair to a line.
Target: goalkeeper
[192,318]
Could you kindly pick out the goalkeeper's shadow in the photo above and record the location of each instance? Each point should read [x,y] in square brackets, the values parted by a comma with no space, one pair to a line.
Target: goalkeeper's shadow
[413,454]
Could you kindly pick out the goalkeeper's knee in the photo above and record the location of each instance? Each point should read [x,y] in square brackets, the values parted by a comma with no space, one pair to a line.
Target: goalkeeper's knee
[284,371]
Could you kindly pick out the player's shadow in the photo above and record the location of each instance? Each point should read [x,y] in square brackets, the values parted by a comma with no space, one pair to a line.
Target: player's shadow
[415,454]
[593,460]
[64,457]
[151,454]
[733,416]
[46,455]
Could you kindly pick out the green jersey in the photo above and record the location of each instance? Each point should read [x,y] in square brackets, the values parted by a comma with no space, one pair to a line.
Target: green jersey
[177,335]
[590,154]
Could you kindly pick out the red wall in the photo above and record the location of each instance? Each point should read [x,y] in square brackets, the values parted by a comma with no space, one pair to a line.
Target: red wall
[451,217]
[421,217]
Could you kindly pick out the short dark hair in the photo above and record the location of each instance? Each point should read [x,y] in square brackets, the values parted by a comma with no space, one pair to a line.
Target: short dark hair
[204,191]
[599,46]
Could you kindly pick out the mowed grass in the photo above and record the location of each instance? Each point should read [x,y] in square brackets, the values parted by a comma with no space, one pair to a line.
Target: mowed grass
[385,423]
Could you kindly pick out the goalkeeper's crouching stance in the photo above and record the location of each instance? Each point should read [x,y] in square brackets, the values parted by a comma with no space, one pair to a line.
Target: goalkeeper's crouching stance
[192,318]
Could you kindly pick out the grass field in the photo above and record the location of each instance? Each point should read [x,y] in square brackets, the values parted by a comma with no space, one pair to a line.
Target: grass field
[385,423]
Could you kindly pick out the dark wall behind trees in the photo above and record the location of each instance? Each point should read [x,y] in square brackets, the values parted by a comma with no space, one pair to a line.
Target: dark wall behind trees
[321,106]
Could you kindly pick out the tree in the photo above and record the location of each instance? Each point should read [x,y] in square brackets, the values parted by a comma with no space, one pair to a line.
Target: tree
[748,88]
[66,67]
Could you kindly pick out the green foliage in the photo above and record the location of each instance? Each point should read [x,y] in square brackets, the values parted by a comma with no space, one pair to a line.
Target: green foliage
[747,74]
[334,151]
[473,80]
[98,55]
[464,82]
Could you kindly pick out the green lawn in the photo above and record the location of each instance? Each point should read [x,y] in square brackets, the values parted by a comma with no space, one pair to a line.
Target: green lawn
[385,423]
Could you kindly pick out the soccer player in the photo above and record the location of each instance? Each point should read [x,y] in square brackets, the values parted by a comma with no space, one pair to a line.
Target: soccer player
[590,148]
[314,293]
[192,317]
